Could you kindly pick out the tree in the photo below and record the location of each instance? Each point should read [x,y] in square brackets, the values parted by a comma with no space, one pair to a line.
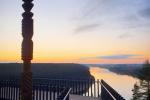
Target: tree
[136,92]
[145,71]
[142,91]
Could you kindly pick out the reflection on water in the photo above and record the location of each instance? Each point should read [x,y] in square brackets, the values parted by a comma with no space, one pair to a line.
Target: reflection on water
[121,83]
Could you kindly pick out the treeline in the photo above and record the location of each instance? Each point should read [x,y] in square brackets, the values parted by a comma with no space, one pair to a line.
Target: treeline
[141,91]
[123,69]
[47,70]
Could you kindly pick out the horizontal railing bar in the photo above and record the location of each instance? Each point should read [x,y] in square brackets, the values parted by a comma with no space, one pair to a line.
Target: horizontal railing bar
[67,94]
[109,92]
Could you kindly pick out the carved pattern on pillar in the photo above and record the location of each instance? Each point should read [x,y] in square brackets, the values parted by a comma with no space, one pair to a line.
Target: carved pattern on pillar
[27,50]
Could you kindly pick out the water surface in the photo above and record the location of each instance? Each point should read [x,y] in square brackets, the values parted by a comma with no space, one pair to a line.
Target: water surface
[123,84]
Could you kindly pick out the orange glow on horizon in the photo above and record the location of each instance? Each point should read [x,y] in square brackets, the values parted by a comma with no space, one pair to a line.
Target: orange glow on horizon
[63,56]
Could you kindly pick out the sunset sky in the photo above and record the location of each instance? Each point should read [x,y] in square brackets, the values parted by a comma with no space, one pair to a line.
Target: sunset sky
[79,31]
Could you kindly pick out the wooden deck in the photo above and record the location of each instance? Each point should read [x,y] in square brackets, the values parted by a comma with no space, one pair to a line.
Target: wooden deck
[79,97]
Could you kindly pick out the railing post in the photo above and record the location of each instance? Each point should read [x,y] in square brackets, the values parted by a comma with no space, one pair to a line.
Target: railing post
[94,88]
[91,83]
[98,88]
[0,89]
[67,97]
[103,92]
[27,50]
[87,81]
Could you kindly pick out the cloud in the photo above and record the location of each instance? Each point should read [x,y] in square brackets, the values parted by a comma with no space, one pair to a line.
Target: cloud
[125,35]
[145,12]
[87,27]
[115,57]
[121,56]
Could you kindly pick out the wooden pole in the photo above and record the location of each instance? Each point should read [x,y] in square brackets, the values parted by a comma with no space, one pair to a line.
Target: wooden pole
[27,50]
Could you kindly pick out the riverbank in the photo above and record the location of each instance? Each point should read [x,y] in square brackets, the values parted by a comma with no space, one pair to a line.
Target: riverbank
[123,84]
[122,69]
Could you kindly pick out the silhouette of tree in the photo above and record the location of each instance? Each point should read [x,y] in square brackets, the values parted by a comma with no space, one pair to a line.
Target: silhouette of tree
[136,92]
[145,71]
[142,91]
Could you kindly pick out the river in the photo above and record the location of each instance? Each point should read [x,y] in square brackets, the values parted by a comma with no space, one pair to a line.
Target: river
[123,84]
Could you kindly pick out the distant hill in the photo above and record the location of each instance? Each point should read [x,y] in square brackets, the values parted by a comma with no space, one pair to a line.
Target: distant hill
[46,70]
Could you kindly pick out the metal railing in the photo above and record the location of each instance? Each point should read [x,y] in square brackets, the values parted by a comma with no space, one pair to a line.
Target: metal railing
[51,88]
[59,89]
[83,87]
[108,93]
[65,94]
[10,90]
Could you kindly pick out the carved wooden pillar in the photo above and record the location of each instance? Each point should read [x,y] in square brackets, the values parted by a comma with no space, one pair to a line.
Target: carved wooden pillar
[27,50]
